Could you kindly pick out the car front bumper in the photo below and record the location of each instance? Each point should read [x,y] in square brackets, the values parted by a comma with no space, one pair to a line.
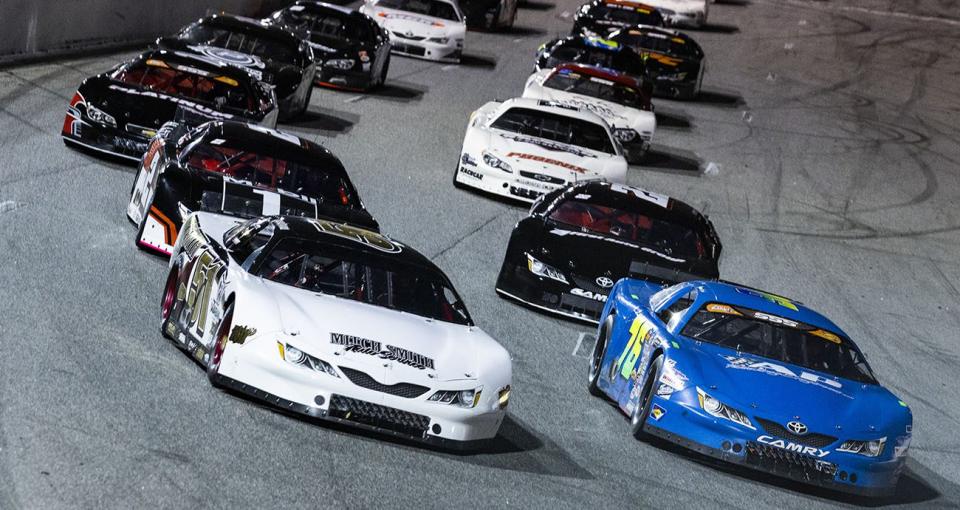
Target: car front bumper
[682,422]
[694,19]
[112,141]
[256,369]
[518,283]
[352,79]
[516,185]
[451,51]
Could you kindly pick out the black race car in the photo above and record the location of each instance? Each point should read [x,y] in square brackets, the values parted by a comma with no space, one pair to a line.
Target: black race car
[601,17]
[269,53]
[591,51]
[674,61]
[579,240]
[119,111]
[239,170]
[489,14]
[351,50]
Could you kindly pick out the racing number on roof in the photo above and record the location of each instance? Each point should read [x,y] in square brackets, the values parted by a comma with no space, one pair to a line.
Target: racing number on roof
[640,332]
[196,291]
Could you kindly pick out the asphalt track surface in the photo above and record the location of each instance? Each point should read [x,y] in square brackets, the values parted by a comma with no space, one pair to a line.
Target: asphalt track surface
[835,128]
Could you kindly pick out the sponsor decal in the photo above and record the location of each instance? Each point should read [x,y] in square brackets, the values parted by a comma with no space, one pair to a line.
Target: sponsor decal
[598,108]
[793,447]
[561,233]
[549,161]
[363,236]
[604,282]
[550,145]
[596,296]
[742,363]
[240,334]
[773,298]
[388,352]
[471,173]
[179,100]
[657,412]
[649,196]
[641,332]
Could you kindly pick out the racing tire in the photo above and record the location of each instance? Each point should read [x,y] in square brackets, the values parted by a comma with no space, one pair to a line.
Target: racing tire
[167,302]
[596,357]
[306,103]
[219,344]
[382,79]
[642,412]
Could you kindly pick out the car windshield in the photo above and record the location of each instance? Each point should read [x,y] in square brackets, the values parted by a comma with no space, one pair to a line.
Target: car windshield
[266,169]
[779,339]
[435,8]
[625,15]
[330,25]
[363,277]
[159,76]
[241,41]
[556,128]
[634,224]
[592,86]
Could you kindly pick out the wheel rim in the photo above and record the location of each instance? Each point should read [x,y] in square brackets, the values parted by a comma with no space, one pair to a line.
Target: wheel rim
[169,295]
[221,342]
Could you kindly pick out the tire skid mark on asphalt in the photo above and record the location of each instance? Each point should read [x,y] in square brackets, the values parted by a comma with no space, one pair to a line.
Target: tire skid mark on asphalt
[463,238]
[878,12]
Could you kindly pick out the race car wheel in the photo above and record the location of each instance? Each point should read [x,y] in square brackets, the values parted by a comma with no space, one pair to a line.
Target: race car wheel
[596,358]
[642,412]
[306,102]
[220,343]
[167,302]
[383,73]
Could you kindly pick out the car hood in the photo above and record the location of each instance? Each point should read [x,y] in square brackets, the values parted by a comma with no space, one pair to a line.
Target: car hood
[408,23]
[549,158]
[428,350]
[782,392]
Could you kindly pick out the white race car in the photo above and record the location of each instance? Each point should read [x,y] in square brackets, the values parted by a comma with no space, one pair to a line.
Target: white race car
[429,29]
[616,97]
[334,322]
[686,13]
[522,148]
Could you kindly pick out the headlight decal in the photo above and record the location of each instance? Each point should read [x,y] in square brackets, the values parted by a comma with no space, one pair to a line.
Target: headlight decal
[867,448]
[718,409]
[467,399]
[545,270]
[295,356]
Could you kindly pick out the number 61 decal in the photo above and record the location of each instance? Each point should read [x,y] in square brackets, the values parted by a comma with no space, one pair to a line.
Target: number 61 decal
[640,332]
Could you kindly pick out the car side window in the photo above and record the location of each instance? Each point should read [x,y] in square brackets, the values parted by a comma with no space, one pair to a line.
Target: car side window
[671,314]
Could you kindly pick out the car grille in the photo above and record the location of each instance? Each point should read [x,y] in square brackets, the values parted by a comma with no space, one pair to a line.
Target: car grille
[408,37]
[379,416]
[542,177]
[409,50]
[790,464]
[525,193]
[362,379]
[815,440]
[581,306]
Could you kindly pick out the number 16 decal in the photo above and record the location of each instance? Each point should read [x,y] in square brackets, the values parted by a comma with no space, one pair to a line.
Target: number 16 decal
[640,332]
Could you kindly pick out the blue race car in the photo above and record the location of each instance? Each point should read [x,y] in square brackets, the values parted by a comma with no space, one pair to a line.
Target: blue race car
[750,378]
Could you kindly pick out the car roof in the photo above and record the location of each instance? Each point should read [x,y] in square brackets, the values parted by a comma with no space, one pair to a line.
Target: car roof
[244,23]
[628,3]
[553,107]
[598,72]
[350,237]
[761,301]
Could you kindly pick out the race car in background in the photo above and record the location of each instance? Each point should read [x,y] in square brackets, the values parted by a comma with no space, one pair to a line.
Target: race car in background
[119,111]
[682,13]
[577,241]
[617,98]
[593,51]
[601,17]
[336,323]
[751,378]
[428,29]
[489,14]
[350,48]
[271,54]
[238,170]
[674,62]
[522,148]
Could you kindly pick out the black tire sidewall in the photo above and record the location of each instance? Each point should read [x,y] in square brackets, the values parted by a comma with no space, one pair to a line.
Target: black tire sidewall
[642,412]
[596,357]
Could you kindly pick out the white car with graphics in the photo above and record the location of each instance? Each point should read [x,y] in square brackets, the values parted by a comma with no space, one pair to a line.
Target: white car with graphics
[618,98]
[686,13]
[337,323]
[429,29]
[522,148]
